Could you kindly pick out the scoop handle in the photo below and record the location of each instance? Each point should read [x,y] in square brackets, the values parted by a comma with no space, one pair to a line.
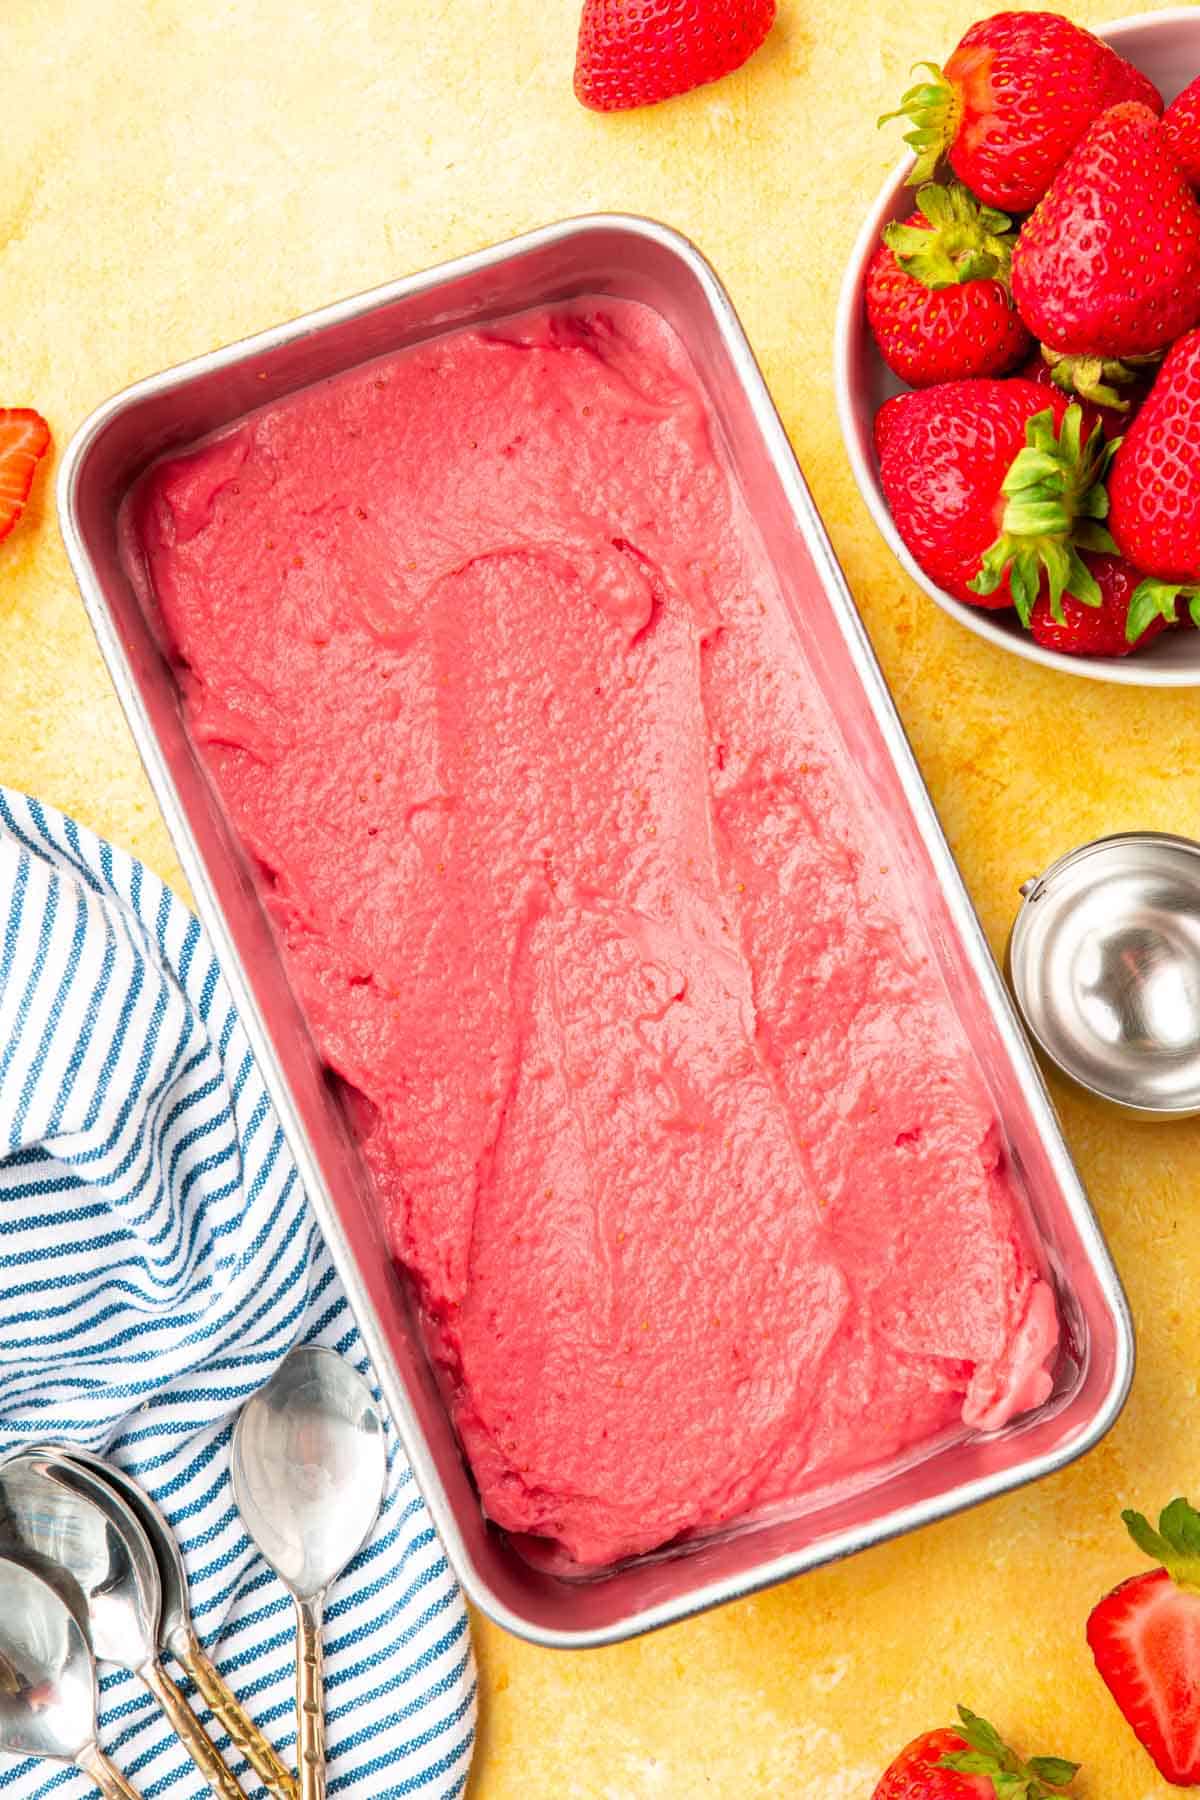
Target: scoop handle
[191,1733]
[310,1697]
[221,1701]
[106,1775]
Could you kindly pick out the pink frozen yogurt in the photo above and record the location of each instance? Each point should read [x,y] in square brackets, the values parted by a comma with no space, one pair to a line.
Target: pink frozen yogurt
[666,1106]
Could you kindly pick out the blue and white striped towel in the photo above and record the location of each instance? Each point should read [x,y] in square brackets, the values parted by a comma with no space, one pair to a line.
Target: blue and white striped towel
[157,1258]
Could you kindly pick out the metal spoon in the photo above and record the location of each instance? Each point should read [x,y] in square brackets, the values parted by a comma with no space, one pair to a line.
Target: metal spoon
[62,1511]
[177,1634]
[309,1466]
[48,1682]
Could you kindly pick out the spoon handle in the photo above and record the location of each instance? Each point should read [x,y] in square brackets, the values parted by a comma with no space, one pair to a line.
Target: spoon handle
[191,1733]
[106,1775]
[310,1697]
[259,1752]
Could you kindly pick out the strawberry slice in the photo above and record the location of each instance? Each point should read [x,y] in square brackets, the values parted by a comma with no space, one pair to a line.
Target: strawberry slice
[24,440]
[1145,1637]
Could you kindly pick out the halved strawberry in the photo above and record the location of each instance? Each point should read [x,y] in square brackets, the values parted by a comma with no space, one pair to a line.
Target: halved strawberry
[24,440]
[1145,1637]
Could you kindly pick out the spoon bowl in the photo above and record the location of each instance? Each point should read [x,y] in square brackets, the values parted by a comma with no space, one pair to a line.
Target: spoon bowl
[48,1681]
[308,1468]
[176,1632]
[43,1512]
[63,1511]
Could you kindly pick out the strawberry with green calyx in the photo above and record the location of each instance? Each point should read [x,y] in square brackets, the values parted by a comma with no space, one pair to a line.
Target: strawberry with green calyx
[944,454]
[1012,102]
[971,1762]
[1145,1637]
[1154,489]
[1102,630]
[960,240]
[1055,505]
[937,292]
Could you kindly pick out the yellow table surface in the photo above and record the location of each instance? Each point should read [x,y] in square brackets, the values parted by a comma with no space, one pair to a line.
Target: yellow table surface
[177,173]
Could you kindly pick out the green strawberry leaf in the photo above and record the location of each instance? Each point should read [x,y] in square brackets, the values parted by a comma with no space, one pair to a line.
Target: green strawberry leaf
[1010,1787]
[1091,536]
[1152,600]
[982,1736]
[1138,1526]
[964,242]
[932,107]
[1095,378]
[1176,1543]
[1055,499]
[970,1762]
[1011,1778]
[1055,1771]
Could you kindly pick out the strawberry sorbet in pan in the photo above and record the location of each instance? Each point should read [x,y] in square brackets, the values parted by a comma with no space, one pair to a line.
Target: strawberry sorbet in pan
[637,1018]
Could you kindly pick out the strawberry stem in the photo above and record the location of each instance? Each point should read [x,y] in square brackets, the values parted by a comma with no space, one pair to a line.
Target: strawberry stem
[935,108]
[1095,378]
[1012,1779]
[1159,599]
[1056,502]
[965,241]
[1176,1543]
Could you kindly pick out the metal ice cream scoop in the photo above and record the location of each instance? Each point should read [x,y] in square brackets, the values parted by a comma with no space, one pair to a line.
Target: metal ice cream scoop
[1104,959]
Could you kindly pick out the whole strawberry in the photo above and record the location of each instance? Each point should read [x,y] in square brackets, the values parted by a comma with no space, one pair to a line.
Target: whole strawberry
[1103,630]
[1012,103]
[970,1763]
[1145,1637]
[1154,488]
[937,291]
[995,490]
[636,52]
[1109,264]
[1181,128]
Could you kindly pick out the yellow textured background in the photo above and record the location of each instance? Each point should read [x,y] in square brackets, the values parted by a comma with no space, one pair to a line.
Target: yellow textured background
[177,173]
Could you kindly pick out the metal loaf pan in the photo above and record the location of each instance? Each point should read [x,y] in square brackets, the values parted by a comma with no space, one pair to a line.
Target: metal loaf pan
[638,260]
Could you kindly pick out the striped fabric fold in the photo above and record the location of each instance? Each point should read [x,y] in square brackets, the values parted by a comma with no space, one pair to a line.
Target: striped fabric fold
[157,1260]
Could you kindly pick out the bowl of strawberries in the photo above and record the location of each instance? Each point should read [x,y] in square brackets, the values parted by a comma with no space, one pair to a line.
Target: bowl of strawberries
[1017,357]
